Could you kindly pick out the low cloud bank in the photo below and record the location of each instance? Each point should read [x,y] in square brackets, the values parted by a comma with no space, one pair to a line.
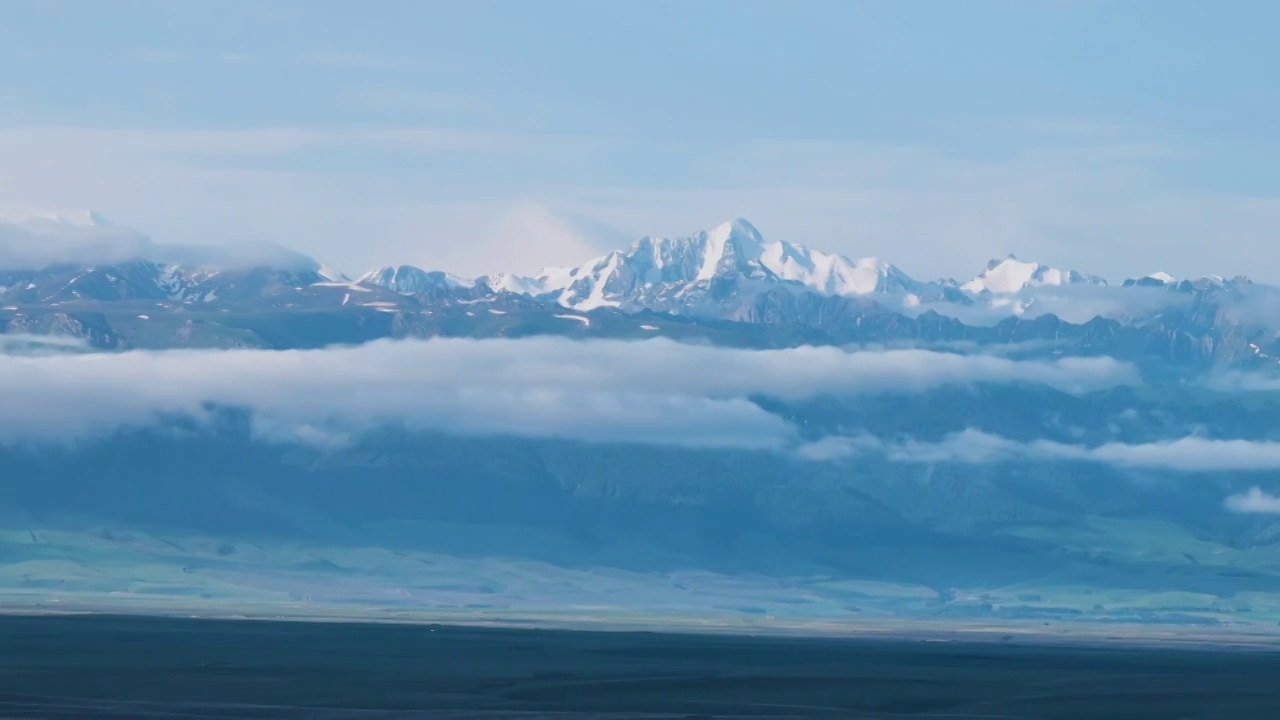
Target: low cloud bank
[31,242]
[1234,381]
[655,391]
[1077,303]
[1188,454]
[28,242]
[27,344]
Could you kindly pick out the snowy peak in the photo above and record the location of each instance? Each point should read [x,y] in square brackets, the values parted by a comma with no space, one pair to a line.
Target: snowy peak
[1011,275]
[733,256]
[410,280]
[740,230]
[1155,279]
[728,245]
[837,275]
[750,255]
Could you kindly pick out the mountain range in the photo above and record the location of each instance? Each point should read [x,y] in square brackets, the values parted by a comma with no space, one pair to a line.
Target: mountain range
[1027,444]
[116,289]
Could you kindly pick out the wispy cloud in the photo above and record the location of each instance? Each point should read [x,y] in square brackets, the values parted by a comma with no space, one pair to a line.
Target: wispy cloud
[160,56]
[1078,303]
[546,235]
[398,98]
[235,58]
[366,61]
[1068,128]
[35,241]
[932,213]
[1186,454]
[1098,208]
[139,143]
[1254,502]
[15,344]
[27,243]
[294,186]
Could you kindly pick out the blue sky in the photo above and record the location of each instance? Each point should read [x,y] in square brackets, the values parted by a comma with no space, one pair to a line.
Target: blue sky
[1115,137]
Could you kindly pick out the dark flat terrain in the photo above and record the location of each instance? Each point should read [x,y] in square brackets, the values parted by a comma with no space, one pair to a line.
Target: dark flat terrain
[104,666]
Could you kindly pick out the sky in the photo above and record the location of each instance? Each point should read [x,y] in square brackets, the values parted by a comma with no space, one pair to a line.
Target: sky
[1118,138]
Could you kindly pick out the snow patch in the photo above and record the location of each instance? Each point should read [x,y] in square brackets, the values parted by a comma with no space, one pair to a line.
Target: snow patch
[352,286]
[331,274]
[595,299]
[586,322]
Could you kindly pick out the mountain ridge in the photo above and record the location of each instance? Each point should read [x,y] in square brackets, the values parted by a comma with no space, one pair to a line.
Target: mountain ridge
[826,272]
[728,284]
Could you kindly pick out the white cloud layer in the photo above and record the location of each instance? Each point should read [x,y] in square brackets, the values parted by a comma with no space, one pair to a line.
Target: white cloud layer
[35,241]
[1078,303]
[655,391]
[1187,454]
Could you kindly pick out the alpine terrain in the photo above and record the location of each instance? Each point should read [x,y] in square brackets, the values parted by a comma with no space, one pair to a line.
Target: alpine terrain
[717,428]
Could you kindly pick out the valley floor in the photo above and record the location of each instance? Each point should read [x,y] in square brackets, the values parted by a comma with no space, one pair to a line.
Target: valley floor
[118,572]
[116,666]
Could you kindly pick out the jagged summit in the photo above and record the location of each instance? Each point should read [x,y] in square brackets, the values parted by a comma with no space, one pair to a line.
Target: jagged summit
[411,280]
[670,271]
[730,278]
[1155,279]
[732,271]
[1010,275]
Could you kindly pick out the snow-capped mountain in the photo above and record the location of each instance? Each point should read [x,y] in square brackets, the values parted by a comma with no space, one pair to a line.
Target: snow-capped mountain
[148,280]
[1011,275]
[732,272]
[720,267]
[728,283]
[411,280]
